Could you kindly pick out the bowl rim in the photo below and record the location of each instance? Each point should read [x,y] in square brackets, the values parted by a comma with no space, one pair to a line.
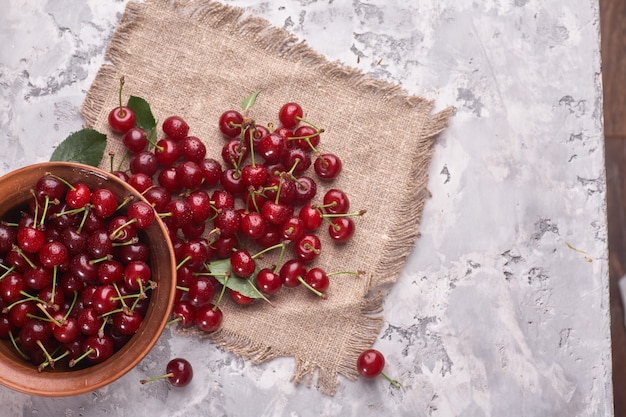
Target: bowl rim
[25,378]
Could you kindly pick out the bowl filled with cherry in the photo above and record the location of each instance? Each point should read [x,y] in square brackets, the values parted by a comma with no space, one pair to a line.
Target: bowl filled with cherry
[87,278]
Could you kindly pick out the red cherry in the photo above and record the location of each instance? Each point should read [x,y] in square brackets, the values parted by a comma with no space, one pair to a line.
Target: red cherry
[209,318]
[327,166]
[240,298]
[175,128]
[230,123]
[341,229]
[268,282]
[290,114]
[78,196]
[121,119]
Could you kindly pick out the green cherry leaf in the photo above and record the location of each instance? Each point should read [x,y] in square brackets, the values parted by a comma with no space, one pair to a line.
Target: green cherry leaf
[246,287]
[85,146]
[144,117]
[249,101]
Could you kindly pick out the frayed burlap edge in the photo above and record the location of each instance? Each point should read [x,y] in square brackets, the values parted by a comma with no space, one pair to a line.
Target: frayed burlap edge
[406,220]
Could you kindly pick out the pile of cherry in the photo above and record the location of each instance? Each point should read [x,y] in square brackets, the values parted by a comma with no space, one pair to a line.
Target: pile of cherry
[75,279]
[224,215]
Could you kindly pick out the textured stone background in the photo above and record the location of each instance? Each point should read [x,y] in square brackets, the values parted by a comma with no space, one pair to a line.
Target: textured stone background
[503,307]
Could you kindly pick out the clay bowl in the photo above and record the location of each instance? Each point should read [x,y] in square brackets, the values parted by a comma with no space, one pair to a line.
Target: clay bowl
[20,375]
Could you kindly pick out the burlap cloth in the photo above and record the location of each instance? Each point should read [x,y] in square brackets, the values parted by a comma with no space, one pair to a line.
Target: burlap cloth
[199,58]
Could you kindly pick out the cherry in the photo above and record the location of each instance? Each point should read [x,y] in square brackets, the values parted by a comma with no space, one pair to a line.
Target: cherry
[201,292]
[30,239]
[192,149]
[327,166]
[135,139]
[66,329]
[99,244]
[306,189]
[336,201]
[97,349]
[276,213]
[158,197]
[297,159]
[11,287]
[127,322]
[179,373]
[78,195]
[291,271]
[290,114]
[241,299]
[242,263]
[211,171]
[110,271]
[20,313]
[234,152]
[89,321]
[341,229]
[121,119]
[271,148]
[105,299]
[104,203]
[254,175]
[184,313]
[140,182]
[53,254]
[33,331]
[175,127]
[306,137]
[189,175]
[268,282]
[308,247]
[179,212]
[253,225]
[38,277]
[232,181]
[310,216]
[141,214]
[7,238]
[292,229]
[200,204]
[209,318]
[317,279]
[145,162]
[168,180]
[230,123]
[228,222]
[49,187]
[167,152]
[137,275]
[371,363]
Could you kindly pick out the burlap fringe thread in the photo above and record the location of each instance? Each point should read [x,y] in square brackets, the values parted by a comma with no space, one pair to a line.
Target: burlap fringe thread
[279,42]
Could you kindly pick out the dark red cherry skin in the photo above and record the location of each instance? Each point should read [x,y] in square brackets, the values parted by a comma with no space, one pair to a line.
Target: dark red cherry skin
[242,263]
[179,371]
[305,132]
[317,279]
[192,149]
[209,318]
[290,114]
[271,148]
[135,139]
[200,292]
[167,152]
[253,225]
[211,172]
[341,229]
[140,182]
[241,299]
[121,119]
[78,196]
[104,203]
[175,127]
[185,312]
[127,322]
[336,201]
[101,348]
[291,271]
[230,123]
[145,162]
[370,363]
[268,282]
[306,189]
[327,166]
[308,247]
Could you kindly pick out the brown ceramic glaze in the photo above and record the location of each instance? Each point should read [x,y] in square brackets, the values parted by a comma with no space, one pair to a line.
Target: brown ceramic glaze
[19,375]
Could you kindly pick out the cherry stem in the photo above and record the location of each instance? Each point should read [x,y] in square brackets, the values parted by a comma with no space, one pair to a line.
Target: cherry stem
[155,378]
[69,310]
[16,347]
[219,299]
[121,112]
[88,352]
[49,358]
[7,272]
[45,311]
[117,233]
[270,248]
[357,273]
[392,381]
[63,180]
